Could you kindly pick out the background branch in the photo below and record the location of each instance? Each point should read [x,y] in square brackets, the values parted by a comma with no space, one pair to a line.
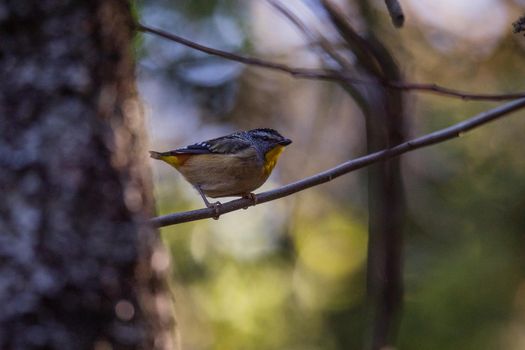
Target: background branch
[384,115]
[252,61]
[396,12]
[326,74]
[344,168]
[322,42]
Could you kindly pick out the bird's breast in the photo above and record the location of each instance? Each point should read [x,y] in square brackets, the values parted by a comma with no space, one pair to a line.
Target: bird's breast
[271,158]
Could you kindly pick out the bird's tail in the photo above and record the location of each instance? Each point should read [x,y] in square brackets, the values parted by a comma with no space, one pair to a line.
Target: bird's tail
[156,155]
[170,157]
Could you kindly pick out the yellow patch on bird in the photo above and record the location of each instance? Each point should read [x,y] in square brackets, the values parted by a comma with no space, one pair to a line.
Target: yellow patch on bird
[271,158]
[175,160]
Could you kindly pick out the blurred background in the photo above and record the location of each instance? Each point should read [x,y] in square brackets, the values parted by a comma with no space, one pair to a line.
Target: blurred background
[291,274]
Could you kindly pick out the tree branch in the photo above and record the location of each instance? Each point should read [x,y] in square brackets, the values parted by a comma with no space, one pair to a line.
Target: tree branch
[326,74]
[396,12]
[252,61]
[441,90]
[430,139]
[323,43]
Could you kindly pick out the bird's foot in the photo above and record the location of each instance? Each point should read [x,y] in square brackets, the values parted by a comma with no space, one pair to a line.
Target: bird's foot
[216,207]
[252,197]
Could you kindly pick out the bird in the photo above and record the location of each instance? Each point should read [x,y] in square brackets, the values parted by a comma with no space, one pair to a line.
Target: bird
[228,166]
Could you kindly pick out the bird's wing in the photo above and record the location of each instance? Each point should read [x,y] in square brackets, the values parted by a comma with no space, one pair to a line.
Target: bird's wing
[221,145]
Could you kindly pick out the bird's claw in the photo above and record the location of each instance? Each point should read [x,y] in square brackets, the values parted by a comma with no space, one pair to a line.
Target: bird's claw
[252,197]
[216,206]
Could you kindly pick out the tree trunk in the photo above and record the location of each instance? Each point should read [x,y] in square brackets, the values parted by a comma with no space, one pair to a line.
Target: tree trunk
[385,127]
[80,269]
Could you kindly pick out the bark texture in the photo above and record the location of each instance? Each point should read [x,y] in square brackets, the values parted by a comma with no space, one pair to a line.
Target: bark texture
[79,268]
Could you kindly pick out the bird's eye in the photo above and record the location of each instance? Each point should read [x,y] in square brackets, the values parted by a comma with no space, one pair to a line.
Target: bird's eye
[266,138]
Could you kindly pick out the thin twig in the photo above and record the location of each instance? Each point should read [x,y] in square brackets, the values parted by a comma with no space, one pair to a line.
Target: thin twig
[456,93]
[325,74]
[310,35]
[358,45]
[396,12]
[323,43]
[344,168]
[252,61]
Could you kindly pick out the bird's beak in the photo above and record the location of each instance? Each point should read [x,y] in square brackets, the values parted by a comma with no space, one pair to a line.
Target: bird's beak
[285,142]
